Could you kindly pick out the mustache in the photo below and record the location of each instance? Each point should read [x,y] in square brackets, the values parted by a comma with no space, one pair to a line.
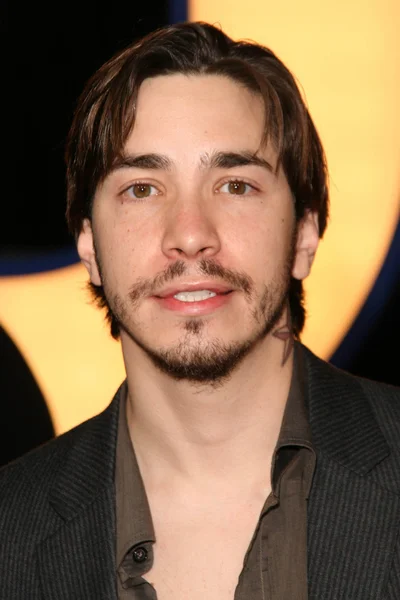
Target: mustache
[149,287]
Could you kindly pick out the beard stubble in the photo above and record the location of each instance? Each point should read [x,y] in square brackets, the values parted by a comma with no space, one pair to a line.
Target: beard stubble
[194,358]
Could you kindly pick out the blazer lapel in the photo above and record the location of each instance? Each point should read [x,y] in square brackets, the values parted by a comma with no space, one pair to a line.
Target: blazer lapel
[352,531]
[77,561]
[352,520]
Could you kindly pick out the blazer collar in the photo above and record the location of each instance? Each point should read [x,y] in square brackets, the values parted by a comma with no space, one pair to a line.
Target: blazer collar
[342,421]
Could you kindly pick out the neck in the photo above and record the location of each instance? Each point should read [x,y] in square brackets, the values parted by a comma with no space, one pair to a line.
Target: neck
[196,434]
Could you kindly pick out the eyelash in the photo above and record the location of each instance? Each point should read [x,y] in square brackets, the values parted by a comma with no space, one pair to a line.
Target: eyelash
[227,181]
[132,185]
[239,180]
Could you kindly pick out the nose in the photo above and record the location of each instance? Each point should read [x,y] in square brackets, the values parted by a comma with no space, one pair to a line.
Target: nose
[191,231]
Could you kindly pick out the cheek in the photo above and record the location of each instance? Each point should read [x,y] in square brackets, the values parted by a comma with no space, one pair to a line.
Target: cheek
[127,251]
[264,249]
[255,237]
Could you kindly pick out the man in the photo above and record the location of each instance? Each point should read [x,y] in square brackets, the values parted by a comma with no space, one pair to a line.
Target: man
[232,463]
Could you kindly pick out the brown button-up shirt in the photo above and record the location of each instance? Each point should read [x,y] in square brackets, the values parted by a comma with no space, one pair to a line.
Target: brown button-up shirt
[275,565]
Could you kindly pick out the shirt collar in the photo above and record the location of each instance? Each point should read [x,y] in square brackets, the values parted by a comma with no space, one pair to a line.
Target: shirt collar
[295,432]
[294,435]
[130,492]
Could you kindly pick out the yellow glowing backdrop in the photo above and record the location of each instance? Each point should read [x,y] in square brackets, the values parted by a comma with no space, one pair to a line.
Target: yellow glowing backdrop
[346,56]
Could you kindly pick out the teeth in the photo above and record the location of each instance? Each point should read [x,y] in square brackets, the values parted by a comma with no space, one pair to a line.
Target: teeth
[196,296]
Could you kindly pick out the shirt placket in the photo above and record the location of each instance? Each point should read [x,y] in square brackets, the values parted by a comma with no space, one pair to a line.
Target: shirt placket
[137,562]
[251,584]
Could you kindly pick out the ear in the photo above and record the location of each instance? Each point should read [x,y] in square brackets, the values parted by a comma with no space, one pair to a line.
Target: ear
[87,252]
[306,245]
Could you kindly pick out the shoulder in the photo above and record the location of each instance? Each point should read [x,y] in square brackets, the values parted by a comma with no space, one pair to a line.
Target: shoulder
[385,402]
[330,385]
[37,469]
[26,515]
[47,488]
[26,483]
[324,369]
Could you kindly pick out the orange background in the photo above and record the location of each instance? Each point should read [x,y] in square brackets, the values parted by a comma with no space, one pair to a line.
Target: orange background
[346,56]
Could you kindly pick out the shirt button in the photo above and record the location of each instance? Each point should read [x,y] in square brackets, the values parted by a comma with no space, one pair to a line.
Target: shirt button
[140,554]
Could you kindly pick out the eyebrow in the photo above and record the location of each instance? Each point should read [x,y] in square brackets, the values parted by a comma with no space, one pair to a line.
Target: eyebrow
[230,160]
[215,160]
[142,161]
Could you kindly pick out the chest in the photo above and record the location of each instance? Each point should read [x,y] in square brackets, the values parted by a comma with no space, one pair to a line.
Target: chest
[202,556]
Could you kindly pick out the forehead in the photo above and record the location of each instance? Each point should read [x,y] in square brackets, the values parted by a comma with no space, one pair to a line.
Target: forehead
[196,114]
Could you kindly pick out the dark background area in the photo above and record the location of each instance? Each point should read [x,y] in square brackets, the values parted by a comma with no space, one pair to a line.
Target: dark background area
[371,348]
[50,53]
[379,356]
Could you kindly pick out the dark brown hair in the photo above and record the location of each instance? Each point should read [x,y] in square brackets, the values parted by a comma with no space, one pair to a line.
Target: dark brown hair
[105,116]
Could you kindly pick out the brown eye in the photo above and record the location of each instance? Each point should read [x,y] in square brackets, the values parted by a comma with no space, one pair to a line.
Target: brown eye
[141,190]
[237,187]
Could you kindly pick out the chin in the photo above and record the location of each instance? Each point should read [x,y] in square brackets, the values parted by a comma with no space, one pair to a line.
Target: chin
[198,357]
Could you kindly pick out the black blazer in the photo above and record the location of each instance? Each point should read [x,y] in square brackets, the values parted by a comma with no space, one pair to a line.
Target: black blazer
[57,505]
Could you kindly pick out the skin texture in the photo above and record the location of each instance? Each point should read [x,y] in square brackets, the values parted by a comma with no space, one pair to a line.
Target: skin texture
[164,224]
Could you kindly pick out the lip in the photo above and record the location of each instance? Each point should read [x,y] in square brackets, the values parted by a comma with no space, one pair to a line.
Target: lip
[194,309]
[165,298]
[212,286]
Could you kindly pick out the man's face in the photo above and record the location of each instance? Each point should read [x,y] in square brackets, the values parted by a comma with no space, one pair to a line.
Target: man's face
[195,238]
